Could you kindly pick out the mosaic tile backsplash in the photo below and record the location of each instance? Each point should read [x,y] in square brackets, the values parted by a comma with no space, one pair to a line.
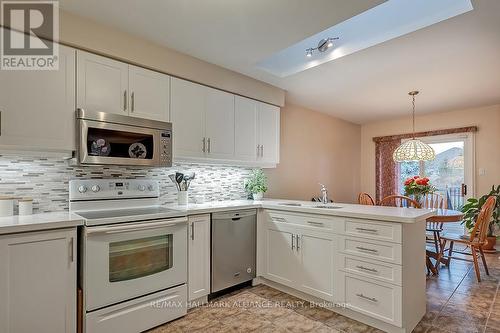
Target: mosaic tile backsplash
[46,180]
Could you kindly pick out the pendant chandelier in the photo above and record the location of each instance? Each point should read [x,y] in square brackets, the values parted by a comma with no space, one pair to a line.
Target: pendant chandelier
[414,149]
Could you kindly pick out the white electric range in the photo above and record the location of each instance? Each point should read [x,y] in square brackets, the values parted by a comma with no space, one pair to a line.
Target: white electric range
[133,255]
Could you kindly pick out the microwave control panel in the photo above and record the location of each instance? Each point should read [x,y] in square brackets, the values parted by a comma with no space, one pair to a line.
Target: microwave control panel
[166,148]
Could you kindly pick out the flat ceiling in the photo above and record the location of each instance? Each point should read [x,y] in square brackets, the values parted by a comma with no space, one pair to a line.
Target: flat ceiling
[455,63]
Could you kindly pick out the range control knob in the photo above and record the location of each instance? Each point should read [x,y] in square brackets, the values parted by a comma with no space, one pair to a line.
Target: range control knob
[95,188]
[82,189]
[151,188]
[142,188]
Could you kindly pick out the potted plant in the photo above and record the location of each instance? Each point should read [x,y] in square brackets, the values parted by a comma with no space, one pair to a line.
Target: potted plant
[471,210]
[256,184]
[417,187]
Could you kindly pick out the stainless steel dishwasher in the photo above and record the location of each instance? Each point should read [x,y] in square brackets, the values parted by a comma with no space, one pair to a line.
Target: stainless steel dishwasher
[233,248]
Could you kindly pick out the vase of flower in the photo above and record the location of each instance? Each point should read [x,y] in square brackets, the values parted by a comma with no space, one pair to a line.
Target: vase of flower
[417,187]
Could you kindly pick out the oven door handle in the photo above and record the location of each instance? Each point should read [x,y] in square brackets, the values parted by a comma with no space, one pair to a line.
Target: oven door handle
[136,226]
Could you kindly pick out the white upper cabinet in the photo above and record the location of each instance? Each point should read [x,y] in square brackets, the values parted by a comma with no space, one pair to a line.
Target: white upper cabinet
[112,86]
[245,129]
[102,84]
[38,107]
[149,94]
[219,124]
[269,134]
[212,125]
[188,118]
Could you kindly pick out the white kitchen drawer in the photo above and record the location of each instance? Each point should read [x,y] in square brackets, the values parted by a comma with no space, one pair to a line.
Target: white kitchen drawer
[370,269]
[139,314]
[377,300]
[389,252]
[308,220]
[373,229]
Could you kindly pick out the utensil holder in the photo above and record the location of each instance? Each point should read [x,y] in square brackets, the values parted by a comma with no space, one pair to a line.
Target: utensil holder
[182,197]
[25,206]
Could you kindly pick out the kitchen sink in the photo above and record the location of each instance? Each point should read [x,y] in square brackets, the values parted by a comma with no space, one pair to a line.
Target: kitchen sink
[328,207]
[293,204]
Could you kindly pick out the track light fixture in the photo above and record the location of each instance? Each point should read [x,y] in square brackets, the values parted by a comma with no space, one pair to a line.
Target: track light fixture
[323,46]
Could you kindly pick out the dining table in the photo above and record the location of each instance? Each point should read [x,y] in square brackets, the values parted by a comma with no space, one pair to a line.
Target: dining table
[441,217]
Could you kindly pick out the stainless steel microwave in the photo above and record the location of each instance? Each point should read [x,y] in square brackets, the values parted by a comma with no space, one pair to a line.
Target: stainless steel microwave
[112,139]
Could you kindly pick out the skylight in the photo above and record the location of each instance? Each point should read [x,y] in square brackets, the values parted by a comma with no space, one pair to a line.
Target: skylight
[384,22]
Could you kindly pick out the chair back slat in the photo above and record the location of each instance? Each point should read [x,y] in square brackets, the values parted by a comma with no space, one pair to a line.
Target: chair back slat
[365,199]
[399,201]
[480,230]
[434,201]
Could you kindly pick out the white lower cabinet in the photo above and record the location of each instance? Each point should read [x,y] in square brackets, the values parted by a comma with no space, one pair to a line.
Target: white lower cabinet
[292,259]
[38,282]
[199,256]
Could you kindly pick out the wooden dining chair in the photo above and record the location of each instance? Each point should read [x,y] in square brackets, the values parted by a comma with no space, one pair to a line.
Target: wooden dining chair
[434,229]
[477,238]
[365,199]
[399,201]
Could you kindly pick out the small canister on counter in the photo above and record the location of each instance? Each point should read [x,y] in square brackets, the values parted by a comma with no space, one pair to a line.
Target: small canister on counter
[6,206]
[25,206]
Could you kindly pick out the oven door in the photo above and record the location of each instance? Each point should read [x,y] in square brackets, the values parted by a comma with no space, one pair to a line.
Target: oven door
[117,144]
[128,260]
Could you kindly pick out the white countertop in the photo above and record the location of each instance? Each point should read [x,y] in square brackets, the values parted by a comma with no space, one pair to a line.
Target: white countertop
[57,220]
[391,214]
[36,222]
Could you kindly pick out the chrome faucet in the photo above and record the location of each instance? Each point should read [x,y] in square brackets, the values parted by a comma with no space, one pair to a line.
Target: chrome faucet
[324,194]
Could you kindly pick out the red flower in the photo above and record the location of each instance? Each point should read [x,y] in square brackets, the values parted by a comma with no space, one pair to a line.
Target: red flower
[416,177]
[408,181]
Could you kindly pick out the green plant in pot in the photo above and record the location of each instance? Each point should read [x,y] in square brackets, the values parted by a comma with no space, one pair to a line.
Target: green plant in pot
[256,184]
[471,210]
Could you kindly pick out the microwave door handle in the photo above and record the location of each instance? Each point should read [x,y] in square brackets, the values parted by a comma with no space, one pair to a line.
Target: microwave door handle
[135,226]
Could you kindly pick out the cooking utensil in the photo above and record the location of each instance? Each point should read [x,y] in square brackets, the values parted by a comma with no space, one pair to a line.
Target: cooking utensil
[172,178]
[179,177]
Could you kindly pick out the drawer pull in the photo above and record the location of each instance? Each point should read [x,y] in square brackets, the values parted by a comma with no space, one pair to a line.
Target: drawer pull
[373,299]
[366,249]
[316,223]
[278,219]
[363,268]
[367,230]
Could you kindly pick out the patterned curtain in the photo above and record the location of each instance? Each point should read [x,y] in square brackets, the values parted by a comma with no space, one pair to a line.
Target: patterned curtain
[386,173]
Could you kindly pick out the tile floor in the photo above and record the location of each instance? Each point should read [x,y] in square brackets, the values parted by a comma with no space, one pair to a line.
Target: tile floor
[455,303]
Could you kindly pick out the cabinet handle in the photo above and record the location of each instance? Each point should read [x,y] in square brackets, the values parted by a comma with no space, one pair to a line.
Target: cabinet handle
[316,223]
[258,150]
[0,123]
[208,144]
[203,149]
[192,231]
[124,100]
[363,268]
[366,249]
[261,150]
[297,239]
[278,219]
[367,230]
[373,299]
[132,102]
[71,252]
[293,240]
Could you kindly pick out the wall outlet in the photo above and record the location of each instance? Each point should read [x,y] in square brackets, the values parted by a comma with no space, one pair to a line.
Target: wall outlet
[482,171]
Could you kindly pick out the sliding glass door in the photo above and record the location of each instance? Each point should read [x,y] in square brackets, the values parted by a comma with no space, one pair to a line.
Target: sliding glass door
[451,172]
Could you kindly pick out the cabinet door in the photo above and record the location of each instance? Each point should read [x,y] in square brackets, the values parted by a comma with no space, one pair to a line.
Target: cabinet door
[187,115]
[38,282]
[199,257]
[269,133]
[219,124]
[282,262]
[38,107]
[245,129]
[317,271]
[149,94]
[102,84]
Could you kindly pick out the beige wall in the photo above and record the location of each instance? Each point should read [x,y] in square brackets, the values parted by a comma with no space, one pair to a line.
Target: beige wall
[487,141]
[84,33]
[315,148]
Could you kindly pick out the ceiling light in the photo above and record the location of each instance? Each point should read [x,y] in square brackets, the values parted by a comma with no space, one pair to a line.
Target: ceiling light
[323,46]
[414,149]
